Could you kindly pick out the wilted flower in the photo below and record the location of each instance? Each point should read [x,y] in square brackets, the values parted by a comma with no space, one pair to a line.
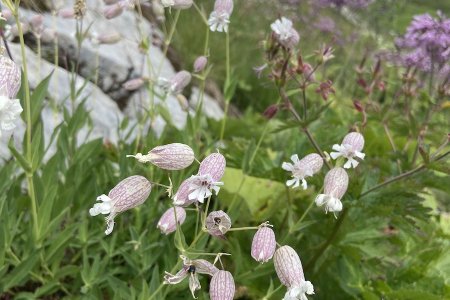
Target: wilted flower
[168,221]
[200,63]
[350,148]
[191,268]
[174,156]
[214,165]
[177,4]
[306,167]
[324,54]
[134,84]
[285,34]
[222,286]
[290,272]
[218,223]
[220,16]
[9,77]
[127,194]
[263,244]
[325,89]
[177,83]
[201,187]
[335,186]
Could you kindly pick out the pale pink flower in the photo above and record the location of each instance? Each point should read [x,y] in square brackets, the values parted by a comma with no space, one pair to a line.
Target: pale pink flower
[201,187]
[302,168]
[168,221]
[200,64]
[134,84]
[173,156]
[290,272]
[127,194]
[191,268]
[220,16]
[10,77]
[222,286]
[66,13]
[218,223]
[177,83]
[350,148]
[335,186]
[263,244]
[285,34]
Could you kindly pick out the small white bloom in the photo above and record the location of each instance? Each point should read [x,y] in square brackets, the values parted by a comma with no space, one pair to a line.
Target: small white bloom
[298,292]
[219,21]
[335,186]
[306,167]
[350,148]
[201,187]
[283,28]
[10,110]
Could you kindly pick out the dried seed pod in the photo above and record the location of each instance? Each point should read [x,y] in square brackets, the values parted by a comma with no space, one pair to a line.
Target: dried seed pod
[214,165]
[174,156]
[335,186]
[168,221]
[263,244]
[127,194]
[9,77]
[222,286]
[218,223]
[290,272]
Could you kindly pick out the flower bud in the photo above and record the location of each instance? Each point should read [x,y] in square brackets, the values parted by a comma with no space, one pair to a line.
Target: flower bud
[174,156]
[66,13]
[179,82]
[263,244]
[9,77]
[134,84]
[290,272]
[336,183]
[270,111]
[127,194]
[200,64]
[168,222]
[214,165]
[222,286]
[181,198]
[112,11]
[218,223]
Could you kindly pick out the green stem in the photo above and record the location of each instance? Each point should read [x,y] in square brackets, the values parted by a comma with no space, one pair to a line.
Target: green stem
[243,228]
[227,85]
[31,190]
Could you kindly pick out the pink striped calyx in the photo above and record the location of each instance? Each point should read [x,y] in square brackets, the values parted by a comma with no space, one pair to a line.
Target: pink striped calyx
[171,157]
[263,244]
[10,77]
[168,221]
[335,186]
[222,286]
[214,165]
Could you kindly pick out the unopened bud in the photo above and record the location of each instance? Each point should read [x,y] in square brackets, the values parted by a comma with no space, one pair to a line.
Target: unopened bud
[271,111]
[263,244]
[200,64]
[168,221]
[174,156]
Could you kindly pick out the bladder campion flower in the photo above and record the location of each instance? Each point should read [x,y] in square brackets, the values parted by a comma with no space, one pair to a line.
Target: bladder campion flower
[173,156]
[222,286]
[181,197]
[9,76]
[191,268]
[335,186]
[10,110]
[127,194]
[350,148]
[168,222]
[214,165]
[177,83]
[285,34]
[263,244]
[290,272]
[200,64]
[220,16]
[305,167]
[218,223]
[201,187]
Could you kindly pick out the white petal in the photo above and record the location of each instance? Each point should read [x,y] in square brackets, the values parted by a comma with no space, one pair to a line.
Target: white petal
[360,154]
[294,158]
[304,184]
[334,205]
[321,199]
[348,163]
[292,182]
[194,194]
[110,226]
[104,198]
[337,147]
[287,166]
[335,155]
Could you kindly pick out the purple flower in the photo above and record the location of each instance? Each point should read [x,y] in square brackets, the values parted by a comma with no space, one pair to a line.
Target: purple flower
[290,272]
[335,186]
[127,194]
[218,223]
[168,222]
[426,42]
[222,286]
[191,268]
[263,244]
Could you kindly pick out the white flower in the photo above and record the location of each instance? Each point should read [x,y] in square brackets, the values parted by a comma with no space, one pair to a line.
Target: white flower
[10,110]
[220,17]
[306,167]
[283,28]
[201,187]
[335,186]
[167,3]
[350,148]
[298,292]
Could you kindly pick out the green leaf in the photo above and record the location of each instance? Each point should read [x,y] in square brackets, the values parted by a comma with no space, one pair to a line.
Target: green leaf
[20,272]
[19,157]
[37,98]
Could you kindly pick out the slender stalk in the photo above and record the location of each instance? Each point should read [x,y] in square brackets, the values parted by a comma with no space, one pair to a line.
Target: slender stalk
[243,228]
[391,141]
[269,295]
[31,191]
[227,84]
[317,147]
